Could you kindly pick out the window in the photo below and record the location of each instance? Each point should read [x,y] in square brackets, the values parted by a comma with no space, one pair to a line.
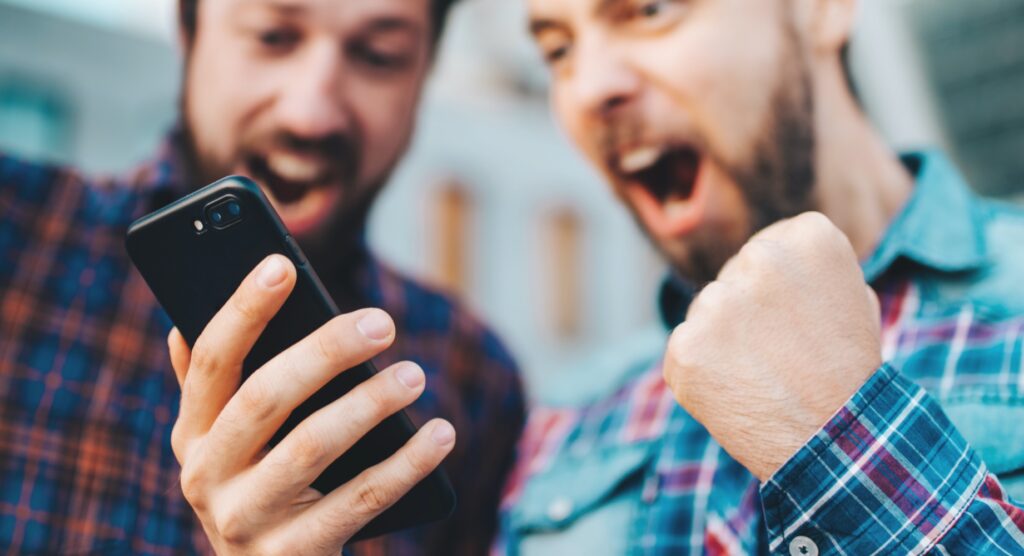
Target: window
[562,247]
[452,215]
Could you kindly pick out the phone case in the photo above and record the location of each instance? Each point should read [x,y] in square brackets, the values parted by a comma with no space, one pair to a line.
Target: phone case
[193,266]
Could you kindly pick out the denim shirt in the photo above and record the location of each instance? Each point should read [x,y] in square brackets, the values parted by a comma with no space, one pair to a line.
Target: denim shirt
[628,471]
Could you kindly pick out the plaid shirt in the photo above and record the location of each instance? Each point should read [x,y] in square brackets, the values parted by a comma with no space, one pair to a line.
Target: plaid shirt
[920,460]
[88,398]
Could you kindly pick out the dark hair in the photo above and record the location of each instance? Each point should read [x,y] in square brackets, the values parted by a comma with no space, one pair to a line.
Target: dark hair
[187,16]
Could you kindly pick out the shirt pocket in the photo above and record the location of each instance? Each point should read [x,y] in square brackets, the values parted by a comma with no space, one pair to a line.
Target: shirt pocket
[993,424]
[583,504]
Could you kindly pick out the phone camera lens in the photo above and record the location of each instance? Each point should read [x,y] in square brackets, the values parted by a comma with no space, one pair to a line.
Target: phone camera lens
[217,217]
[234,209]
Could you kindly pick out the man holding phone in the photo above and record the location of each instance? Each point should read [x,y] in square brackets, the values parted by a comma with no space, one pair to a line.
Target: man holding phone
[315,100]
[720,124]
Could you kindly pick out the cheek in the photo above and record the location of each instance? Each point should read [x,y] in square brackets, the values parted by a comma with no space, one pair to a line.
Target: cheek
[724,85]
[385,117]
[569,116]
[225,89]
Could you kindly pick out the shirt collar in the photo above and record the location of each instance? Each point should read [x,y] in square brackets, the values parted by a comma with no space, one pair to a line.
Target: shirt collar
[940,228]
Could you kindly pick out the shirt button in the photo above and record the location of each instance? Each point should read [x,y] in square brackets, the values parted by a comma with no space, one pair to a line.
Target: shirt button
[802,546]
[560,509]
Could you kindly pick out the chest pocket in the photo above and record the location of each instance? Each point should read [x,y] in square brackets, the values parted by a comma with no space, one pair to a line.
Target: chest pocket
[994,426]
[582,504]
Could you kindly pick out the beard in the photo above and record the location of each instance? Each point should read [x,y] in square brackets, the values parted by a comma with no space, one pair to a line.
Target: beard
[776,180]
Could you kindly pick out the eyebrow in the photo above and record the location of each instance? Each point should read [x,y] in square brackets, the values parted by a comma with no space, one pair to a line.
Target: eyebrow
[540,25]
[391,23]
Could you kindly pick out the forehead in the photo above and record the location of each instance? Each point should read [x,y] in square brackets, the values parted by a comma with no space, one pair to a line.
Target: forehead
[330,11]
[562,10]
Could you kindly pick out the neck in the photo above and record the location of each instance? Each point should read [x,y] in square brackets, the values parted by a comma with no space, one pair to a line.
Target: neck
[861,184]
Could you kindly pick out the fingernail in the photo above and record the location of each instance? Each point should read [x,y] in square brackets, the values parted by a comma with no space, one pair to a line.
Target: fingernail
[272,273]
[443,433]
[410,375]
[375,325]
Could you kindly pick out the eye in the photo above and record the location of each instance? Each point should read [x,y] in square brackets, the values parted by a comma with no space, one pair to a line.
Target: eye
[653,14]
[651,9]
[278,39]
[554,55]
[378,59]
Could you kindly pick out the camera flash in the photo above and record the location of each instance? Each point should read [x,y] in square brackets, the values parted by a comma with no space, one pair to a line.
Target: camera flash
[199,225]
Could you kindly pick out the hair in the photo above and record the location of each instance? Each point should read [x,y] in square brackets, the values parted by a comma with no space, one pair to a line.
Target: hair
[188,10]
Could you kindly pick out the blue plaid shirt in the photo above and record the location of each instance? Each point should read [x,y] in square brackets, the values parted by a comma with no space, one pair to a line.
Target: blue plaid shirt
[924,458]
[88,398]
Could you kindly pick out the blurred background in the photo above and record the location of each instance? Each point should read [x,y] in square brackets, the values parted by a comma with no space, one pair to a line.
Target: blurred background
[492,203]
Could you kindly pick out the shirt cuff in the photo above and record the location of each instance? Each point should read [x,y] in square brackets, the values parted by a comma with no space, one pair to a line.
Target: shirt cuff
[888,473]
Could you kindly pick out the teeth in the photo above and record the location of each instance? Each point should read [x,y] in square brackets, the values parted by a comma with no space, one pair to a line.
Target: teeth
[638,159]
[673,209]
[293,168]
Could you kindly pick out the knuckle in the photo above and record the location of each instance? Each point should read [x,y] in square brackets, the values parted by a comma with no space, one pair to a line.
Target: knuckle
[257,399]
[327,344]
[203,357]
[372,497]
[416,461]
[233,527]
[193,488]
[178,441]
[380,399]
[246,307]
[308,449]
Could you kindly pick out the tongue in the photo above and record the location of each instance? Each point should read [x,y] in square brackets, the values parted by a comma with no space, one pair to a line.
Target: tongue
[672,209]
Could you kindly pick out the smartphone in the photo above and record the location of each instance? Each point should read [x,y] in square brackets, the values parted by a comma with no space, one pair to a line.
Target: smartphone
[195,252]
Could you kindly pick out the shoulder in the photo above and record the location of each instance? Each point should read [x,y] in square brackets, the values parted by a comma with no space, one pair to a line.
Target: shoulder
[29,190]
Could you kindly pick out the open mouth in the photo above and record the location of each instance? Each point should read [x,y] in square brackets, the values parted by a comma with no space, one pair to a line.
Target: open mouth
[289,177]
[302,189]
[662,183]
[667,173]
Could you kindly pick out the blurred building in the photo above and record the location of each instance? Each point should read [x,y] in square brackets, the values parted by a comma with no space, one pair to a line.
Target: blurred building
[492,202]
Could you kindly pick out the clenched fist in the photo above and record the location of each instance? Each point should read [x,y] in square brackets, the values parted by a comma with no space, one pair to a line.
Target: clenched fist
[775,346]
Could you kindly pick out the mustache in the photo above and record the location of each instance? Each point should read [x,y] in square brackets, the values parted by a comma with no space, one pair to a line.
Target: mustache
[619,132]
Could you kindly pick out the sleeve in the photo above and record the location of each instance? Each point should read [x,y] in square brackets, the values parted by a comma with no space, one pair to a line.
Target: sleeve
[888,474]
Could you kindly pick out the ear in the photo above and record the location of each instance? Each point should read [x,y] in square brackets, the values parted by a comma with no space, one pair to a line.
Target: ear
[832,24]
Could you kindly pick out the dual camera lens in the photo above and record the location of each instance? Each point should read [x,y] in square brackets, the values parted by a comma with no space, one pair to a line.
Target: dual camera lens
[223,213]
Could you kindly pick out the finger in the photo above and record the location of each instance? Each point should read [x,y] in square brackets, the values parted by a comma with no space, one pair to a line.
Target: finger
[218,354]
[180,355]
[269,395]
[323,437]
[348,508]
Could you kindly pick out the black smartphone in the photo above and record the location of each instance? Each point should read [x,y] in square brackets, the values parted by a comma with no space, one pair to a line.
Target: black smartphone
[195,252]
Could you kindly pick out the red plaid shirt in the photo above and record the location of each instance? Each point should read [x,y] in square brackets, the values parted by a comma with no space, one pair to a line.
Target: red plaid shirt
[87,396]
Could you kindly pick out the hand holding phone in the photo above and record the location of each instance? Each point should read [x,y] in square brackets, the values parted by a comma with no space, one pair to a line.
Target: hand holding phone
[287,435]
[252,501]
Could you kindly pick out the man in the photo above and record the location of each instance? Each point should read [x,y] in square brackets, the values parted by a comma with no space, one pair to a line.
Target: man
[316,100]
[719,123]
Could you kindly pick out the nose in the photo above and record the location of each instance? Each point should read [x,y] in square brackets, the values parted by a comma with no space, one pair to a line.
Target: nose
[312,104]
[604,83]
